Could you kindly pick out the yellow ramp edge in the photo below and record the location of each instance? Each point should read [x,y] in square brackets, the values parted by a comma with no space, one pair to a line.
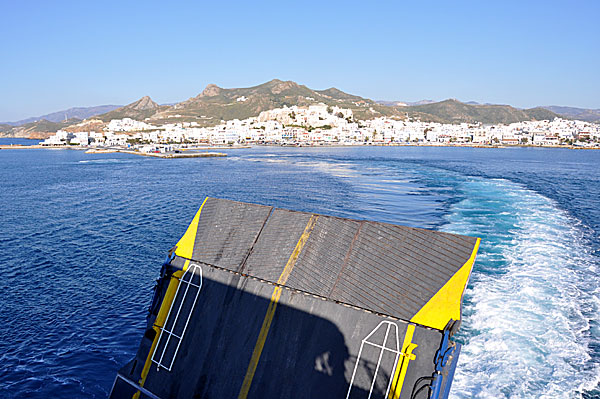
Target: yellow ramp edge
[185,249]
[185,246]
[446,303]
[405,357]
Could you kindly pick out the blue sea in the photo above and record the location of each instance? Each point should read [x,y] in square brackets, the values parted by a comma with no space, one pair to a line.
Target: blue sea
[83,237]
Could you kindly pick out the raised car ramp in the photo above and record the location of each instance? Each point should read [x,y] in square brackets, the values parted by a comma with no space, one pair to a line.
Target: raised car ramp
[260,302]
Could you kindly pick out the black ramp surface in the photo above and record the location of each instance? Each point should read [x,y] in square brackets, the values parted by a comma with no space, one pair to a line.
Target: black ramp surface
[323,257]
[296,305]
[390,269]
[310,352]
[227,231]
[276,243]
[395,270]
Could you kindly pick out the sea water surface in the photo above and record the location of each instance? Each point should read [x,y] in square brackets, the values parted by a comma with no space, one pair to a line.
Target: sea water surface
[83,237]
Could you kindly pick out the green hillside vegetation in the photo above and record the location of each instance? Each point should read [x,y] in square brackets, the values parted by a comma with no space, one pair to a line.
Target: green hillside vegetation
[453,111]
[215,103]
[540,114]
[38,129]
[582,114]
[338,94]
[4,128]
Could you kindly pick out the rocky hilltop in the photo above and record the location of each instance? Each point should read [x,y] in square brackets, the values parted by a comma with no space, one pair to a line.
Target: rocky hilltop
[139,110]
[215,104]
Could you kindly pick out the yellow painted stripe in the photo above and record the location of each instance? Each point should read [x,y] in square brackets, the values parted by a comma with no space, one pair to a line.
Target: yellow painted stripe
[294,257]
[405,357]
[260,343]
[446,303]
[185,248]
[266,325]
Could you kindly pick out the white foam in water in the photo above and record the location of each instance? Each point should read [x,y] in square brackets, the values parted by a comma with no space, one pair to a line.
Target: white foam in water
[103,161]
[531,297]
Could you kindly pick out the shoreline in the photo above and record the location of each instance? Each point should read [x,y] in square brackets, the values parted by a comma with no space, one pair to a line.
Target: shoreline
[97,150]
[159,155]
[89,150]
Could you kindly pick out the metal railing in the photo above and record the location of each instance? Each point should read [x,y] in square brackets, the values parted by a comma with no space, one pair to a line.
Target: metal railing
[188,281]
[382,348]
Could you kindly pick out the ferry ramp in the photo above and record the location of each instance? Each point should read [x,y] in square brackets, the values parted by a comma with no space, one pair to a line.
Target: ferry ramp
[262,302]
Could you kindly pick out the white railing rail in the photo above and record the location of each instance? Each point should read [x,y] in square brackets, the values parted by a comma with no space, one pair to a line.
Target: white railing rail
[382,348]
[186,281]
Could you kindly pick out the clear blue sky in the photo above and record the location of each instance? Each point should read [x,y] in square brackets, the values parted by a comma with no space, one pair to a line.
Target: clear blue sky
[56,54]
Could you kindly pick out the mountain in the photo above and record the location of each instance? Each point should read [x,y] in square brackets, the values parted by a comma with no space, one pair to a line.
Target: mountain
[337,94]
[393,103]
[71,113]
[454,111]
[582,114]
[215,103]
[139,110]
[36,130]
[404,103]
[422,102]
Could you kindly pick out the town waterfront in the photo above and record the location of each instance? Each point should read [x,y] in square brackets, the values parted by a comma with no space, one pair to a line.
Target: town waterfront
[84,236]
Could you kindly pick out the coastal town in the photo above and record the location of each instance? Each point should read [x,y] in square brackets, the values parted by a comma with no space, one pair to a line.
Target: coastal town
[319,125]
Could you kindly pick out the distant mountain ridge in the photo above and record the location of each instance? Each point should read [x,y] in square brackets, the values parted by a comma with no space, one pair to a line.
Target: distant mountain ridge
[71,113]
[35,130]
[405,103]
[215,104]
[584,114]
[454,111]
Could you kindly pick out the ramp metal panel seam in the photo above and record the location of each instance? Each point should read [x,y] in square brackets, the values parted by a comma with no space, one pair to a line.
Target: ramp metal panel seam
[343,303]
[282,230]
[347,257]
[241,268]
